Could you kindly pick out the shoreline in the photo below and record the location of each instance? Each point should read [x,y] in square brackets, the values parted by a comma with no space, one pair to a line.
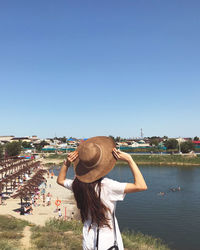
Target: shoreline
[48,163]
[168,163]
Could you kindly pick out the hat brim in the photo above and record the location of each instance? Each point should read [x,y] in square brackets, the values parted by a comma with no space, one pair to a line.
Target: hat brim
[106,164]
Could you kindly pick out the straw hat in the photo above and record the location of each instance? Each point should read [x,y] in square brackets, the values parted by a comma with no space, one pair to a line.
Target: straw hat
[95,158]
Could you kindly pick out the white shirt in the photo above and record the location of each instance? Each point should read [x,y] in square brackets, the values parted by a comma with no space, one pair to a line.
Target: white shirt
[111,192]
[48,198]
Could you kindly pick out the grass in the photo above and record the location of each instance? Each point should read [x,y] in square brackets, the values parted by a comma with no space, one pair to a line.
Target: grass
[55,225]
[175,160]
[58,234]
[56,156]
[49,165]
[153,159]
[5,245]
[11,232]
[10,235]
[56,240]
[64,235]
[11,224]
[139,241]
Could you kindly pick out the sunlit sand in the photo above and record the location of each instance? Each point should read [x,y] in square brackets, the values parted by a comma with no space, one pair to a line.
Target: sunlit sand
[42,213]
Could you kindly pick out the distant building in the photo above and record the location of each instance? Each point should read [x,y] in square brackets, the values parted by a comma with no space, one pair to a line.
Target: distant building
[139,144]
[6,138]
[180,140]
[34,138]
[48,140]
[197,144]
[36,141]
[22,139]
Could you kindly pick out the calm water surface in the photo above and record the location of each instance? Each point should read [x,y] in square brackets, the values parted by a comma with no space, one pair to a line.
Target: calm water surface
[174,217]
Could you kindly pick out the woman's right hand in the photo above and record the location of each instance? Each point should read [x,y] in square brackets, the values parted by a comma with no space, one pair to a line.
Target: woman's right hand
[71,157]
[119,155]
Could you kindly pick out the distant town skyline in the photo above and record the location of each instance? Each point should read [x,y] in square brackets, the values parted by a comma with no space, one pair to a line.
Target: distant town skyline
[101,68]
[68,137]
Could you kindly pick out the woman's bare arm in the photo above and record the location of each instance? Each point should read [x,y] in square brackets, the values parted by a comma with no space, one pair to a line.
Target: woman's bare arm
[139,183]
[62,175]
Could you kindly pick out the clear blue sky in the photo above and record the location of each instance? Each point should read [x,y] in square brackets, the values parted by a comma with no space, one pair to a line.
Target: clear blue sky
[86,68]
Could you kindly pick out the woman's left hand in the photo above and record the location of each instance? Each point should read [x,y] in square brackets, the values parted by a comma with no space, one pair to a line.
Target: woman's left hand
[119,155]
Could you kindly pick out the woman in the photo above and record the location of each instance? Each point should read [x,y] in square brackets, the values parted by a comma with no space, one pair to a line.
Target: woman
[95,195]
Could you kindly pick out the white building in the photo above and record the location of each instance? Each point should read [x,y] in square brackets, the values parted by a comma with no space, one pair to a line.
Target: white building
[139,144]
[6,138]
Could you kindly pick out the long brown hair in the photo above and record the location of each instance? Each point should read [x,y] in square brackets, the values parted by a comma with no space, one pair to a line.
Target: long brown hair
[89,202]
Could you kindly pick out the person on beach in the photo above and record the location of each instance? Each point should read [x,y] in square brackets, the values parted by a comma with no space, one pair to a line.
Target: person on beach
[43,200]
[59,213]
[2,202]
[48,199]
[28,209]
[48,173]
[96,195]
[3,199]
[52,174]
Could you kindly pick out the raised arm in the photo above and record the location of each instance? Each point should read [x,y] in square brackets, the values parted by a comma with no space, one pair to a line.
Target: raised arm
[139,183]
[62,175]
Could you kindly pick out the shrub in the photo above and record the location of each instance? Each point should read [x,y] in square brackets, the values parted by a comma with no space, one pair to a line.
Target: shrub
[1,151]
[187,146]
[171,144]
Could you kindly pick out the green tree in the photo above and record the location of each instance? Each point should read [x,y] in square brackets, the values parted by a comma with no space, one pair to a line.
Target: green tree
[196,138]
[63,139]
[13,148]
[40,145]
[154,141]
[1,151]
[112,137]
[187,146]
[26,144]
[171,144]
[118,139]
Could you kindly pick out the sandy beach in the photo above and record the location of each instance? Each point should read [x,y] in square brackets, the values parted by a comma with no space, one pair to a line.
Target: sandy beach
[43,213]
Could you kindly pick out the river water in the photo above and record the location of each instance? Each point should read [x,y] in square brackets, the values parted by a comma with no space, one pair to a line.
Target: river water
[173,217]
